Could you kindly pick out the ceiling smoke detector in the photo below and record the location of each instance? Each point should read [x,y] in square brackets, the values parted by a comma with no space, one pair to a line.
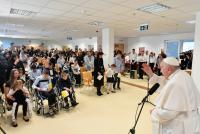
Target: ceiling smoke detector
[22,12]
[97,23]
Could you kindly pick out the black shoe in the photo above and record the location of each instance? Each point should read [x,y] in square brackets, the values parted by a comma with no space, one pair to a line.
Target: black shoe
[75,104]
[99,94]
[38,111]
[119,88]
[14,123]
[26,119]
[113,91]
[55,110]
[51,113]
[67,106]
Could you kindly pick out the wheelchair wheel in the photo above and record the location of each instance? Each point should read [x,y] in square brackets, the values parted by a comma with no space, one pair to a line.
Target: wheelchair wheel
[58,103]
[74,96]
[35,102]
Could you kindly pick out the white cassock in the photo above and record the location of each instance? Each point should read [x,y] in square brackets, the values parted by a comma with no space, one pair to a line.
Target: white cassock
[177,108]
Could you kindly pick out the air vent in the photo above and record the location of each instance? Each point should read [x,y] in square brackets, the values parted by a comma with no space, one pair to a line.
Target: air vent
[22,12]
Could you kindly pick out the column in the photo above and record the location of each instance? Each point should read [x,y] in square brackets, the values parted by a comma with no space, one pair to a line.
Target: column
[196,53]
[108,46]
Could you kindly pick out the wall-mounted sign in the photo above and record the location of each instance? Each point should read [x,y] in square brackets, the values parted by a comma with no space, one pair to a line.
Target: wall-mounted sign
[144,27]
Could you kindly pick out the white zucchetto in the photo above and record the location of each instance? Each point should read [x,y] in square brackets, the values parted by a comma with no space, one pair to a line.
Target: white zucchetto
[171,61]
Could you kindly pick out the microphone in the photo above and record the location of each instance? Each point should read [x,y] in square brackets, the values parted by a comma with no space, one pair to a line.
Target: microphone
[150,92]
[153,88]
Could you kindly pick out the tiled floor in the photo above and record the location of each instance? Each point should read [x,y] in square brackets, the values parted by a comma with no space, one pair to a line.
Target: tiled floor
[108,114]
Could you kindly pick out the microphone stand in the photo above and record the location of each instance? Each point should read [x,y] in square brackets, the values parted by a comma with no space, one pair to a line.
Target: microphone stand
[2,130]
[147,100]
[132,130]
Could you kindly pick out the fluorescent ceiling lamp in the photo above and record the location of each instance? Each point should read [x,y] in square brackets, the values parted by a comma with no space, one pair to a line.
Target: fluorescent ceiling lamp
[22,12]
[14,25]
[191,22]
[154,8]
[22,36]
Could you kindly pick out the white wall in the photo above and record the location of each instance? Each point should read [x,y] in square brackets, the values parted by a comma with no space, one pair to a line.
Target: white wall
[19,42]
[47,43]
[83,43]
[196,55]
[155,43]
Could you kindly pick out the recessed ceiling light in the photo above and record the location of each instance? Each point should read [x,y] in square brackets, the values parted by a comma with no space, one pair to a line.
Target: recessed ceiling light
[22,36]
[154,8]
[22,12]
[191,22]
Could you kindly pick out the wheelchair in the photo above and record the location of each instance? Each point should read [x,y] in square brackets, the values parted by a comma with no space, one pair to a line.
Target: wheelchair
[60,98]
[38,103]
[70,72]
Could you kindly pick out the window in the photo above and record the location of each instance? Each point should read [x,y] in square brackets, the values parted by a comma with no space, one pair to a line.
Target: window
[172,48]
[188,45]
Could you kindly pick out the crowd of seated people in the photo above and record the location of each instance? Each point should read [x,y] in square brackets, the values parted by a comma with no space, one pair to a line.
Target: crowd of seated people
[62,69]
[45,70]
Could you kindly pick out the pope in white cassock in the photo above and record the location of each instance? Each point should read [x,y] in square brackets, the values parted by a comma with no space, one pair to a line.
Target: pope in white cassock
[177,109]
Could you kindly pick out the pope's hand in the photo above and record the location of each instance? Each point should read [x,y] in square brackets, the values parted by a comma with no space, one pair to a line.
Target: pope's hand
[147,69]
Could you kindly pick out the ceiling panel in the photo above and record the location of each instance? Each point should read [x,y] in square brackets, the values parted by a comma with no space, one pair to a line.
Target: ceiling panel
[56,16]
[51,11]
[60,6]
[5,3]
[190,8]
[33,2]
[115,1]
[178,3]
[4,11]
[76,2]
[97,4]
[26,7]
[119,9]
[137,3]
[84,10]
